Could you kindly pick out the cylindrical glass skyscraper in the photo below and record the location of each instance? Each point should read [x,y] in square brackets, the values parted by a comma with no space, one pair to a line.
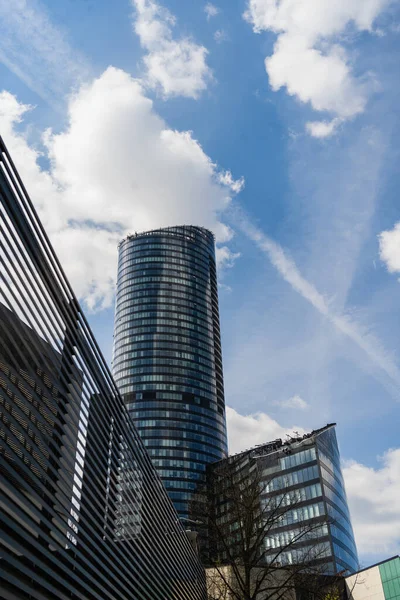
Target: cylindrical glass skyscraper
[167,352]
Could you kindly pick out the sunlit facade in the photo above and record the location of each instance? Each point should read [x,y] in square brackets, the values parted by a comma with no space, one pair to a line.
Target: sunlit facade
[167,352]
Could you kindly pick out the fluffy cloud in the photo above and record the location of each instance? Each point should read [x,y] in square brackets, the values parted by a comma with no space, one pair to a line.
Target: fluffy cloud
[322,129]
[225,257]
[211,10]
[245,431]
[307,58]
[373,496]
[117,168]
[176,67]
[389,246]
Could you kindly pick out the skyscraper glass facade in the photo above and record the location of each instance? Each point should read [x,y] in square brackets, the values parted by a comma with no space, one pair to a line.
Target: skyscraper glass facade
[167,352]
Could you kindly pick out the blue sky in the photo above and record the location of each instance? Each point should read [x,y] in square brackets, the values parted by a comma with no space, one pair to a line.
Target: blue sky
[275,123]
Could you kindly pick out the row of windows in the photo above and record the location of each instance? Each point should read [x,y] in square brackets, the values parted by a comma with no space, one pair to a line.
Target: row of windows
[197,475]
[304,555]
[293,536]
[134,275]
[165,463]
[196,410]
[165,372]
[166,252]
[178,247]
[188,425]
[294,460]
[294,478]
[180,485]
[166,355]
[303,513]
[160,363]
[162,349]
[153,293]
[176,307]
[180,496]
[157,316]
[184,381]
[165,334]
[182,439]
[309,492]
[186,417]
[211,435]
[174,326]
[166,387]
[160,338]
[205,456]
[187,264]
[167,266]
[127,281]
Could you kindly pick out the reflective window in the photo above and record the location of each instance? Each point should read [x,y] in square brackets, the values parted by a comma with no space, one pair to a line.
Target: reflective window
[294,460]
[294,478]
[303,513]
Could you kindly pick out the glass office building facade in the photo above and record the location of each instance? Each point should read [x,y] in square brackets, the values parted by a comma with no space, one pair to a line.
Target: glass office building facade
[301,485]
[167,352]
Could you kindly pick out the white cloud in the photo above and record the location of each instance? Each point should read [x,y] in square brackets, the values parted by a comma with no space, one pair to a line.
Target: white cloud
[308,59]
[286,267]
[246,431]
[322,129]
[220,36]
[295,403]
[389,246]
[175,67]
[37,51]
[211,10]
[373,496]
[225,257]
[117,168]
[226,178]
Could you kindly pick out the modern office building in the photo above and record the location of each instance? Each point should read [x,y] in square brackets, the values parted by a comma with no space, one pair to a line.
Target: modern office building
[84,514]
[167,352]
[301,503]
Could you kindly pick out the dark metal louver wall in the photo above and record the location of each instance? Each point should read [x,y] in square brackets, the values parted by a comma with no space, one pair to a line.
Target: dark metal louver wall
[83,513]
